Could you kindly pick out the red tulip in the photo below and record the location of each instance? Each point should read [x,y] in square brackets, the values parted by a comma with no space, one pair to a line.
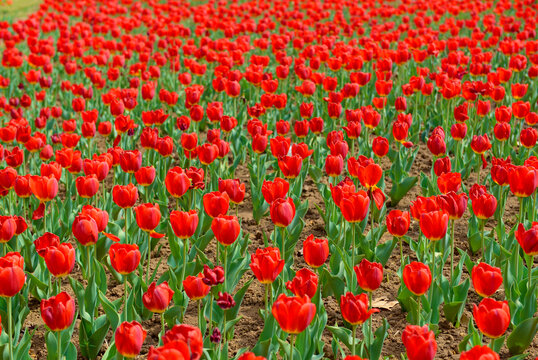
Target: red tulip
[207,153]
[266,264]
[87,186]
[334,164]
[449,182]
[484,206]
[272,190]
[486,279]
[354,308]
[12,277]
[8,226]
[453,204]
[423,205]
[250,356]
[398,222]
[60,258]
[58,312]
[100,216]
[528,239]
[315,251]
[174,350]
[124,258]
[145,175]
[234,188]
[129,338]
[226,229]
[290,165]
[354,206]
[417,277]
[369,275]
[158,297]
[293,313]
[492,317]
[125,196]
[419,342]
[479,353]
[195,287]
[148,216]
[190,335]
[305,283]
[131,161]
[282,212]
[380,146]
[85,230]
[434,224]
[44,188]
[523,180]
[177,182]
[184,223]
[46,240]
[216,203]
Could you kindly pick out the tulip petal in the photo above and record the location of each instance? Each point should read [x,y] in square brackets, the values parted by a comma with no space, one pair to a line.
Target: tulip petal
[39,212]
[111,237]
[156,235]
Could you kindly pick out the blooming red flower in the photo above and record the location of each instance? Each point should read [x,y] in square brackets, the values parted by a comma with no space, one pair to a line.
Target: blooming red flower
[305,283]
[184,223]
[124,258]
[129,337]
[492,317]
[315,251]
[293,313]
[479,352]
[369,275]
[266,264]
[354,308]
[58,312]
[398,222]
[226,229]
[419,342]
[195,287]
[282,212]
[158,297]
[434,224]
[417,277]
[486,279]
[528,239]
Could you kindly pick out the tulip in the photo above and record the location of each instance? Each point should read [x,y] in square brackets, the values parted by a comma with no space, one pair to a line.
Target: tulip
[434,224]
[293,314]
[355,311]
[58,312]
[195,287]
[12,279]
[226,229]
[290,166]
[184,224]
[174,350]
[125,196]
[158,297]
[234,188]
[124,258]
[369,275]
[250,356]
[148,217]
[449,182]
[87,186]
[315,251]
[129,337]
[60,258]
[334,164]
[216,203]
[8,227]
[272,190]
[282,212]
[188,334]
[305,283]
[131,161]
[418,278]
[419,342]
[354,206]
[85,230]
[486,279]
[145,175]
[492,317]
[397,225]
[479,353]
[177,182]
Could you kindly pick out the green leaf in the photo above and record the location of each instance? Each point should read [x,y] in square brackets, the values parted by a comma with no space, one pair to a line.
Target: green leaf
[342,334]
[522,336]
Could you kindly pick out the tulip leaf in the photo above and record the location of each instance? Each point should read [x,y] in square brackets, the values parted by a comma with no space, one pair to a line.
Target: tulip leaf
[401,188]
[383,251]
[380,335]
[342,334]
[522,336]
[111,310]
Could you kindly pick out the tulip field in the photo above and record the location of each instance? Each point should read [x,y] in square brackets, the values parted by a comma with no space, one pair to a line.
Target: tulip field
[263,180]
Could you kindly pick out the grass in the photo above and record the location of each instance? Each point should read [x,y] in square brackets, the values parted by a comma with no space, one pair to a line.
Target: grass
[18,9]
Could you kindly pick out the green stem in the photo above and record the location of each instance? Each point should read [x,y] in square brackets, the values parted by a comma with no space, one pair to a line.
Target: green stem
[225,252]
[353,230]
[452,250]
[419,300]
[401,251]
[184,267]
[354,339]
[126,226]
[148,269]
[10,328]
[266,295]
[482,226]
[126,317]
[163,328]
[59,339]
[370,302]
[520,210]
[88,262]
[292,340]
[210,325]
[530,261]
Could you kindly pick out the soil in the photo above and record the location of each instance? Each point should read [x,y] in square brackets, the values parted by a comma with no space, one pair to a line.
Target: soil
[248,329]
